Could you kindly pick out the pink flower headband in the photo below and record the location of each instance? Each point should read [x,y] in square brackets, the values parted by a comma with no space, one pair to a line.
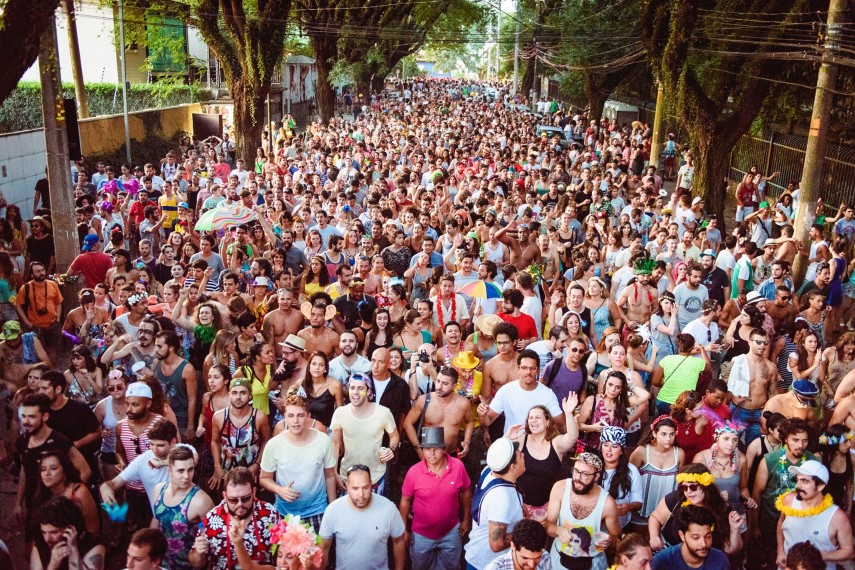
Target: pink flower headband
[115,375]
[297,538]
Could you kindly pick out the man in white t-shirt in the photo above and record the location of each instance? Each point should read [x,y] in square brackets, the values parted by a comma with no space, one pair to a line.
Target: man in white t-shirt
[725,259]
[149,467]
[516,398]
[704,329]
[298,466]
[497,504]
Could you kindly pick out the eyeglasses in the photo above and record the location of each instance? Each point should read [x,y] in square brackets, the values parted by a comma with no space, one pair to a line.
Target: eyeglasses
[689,487]
[761,342]
[112,389]
[239,500]
[583,474]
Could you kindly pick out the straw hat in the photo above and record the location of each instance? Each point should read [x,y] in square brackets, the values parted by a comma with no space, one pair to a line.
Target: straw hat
[466,360]
[487,323]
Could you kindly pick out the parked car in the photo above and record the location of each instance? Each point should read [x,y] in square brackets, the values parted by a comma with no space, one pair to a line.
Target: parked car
[551,132]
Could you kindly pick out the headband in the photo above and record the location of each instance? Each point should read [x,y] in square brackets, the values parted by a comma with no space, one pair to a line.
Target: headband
[727,427]
[656,422]
[826,439]
[590,459]
[115,375]
[613,434]
[134,299]
[705,479]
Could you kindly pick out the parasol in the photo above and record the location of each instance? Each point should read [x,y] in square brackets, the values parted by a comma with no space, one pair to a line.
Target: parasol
[482,290]
[224,216]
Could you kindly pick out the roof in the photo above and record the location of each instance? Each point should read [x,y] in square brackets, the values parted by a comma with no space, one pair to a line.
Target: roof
[299,59]
[618,106]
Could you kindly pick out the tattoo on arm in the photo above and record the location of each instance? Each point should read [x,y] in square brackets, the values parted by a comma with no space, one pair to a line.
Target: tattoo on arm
[94,562]
[499,532]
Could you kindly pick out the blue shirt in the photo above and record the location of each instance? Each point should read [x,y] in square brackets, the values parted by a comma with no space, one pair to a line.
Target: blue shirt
[672,559]
[435,259]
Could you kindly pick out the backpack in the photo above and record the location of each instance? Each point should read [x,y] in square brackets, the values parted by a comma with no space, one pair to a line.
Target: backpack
[480,493]
[551,371]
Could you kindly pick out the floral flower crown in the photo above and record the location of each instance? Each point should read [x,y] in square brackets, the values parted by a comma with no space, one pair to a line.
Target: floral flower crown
[297,538]
[727,427]
[826,439]
[115,374]
[705,479]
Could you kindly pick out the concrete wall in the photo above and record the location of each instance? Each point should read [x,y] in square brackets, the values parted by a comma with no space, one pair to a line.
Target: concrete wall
[22,164]
[105,134]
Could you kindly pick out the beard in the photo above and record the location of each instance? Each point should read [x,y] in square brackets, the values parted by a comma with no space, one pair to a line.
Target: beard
[39,278]
[583,488]
[800,494]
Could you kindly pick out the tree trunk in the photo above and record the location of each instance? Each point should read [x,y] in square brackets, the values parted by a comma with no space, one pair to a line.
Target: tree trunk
[596,101]
[378,83]
[249,116]
[324,91]
[711,163]
[527,82]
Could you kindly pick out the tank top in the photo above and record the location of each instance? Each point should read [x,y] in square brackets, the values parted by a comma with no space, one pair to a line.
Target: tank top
[785,376]
[740,345]
[208,412]
[599,413]
[108,441]
[260,388]
[582,533]
[240,444]
[175,391]
[729,484]
[656,483]
[815,528]
[132,443]
[752,471]
[322,407]
[540,475]
[176,527]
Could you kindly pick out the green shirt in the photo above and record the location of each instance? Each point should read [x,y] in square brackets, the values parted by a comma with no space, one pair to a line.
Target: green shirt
[679,373]
[778,483]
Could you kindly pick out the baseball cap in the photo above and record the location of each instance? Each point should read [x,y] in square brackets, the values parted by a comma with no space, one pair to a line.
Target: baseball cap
[89,242]
[805,388]
[810,468]
[183,205]
[11,330]
[139,390]
[708,252]
[500,454]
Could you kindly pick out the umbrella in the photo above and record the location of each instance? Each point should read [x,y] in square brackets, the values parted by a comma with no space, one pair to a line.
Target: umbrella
[482,290]
[224,216]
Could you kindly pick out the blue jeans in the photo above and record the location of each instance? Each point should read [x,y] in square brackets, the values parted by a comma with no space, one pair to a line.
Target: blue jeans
[662,409]
[443,553]
[751,420]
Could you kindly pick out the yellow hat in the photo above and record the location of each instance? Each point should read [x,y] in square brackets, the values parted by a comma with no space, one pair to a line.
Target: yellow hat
[466,360]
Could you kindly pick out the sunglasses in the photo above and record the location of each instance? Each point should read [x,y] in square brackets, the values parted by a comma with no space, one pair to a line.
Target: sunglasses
[239,500]
[358,467]
[761,342]
[136,442]
[689,487]
[112,389]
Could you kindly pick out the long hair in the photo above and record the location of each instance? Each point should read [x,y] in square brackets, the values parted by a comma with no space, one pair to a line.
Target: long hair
[323,277]
[651,435]
[828,451]
[223,342]
[713,501]
[72,475]
[551,430]
[802,351]
[845,338]
[623,396]
[217,321]
[621,483]
[86,354]
[375,329]
[609,331]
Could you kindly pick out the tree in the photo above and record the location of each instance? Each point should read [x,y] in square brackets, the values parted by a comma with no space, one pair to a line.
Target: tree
[247,37]
[21,25]
[599,48]
[717,76]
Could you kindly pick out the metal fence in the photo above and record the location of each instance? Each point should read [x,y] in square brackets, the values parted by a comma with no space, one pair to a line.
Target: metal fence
[785,153]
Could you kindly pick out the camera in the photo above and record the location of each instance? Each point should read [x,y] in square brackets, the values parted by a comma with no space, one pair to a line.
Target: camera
[423,356]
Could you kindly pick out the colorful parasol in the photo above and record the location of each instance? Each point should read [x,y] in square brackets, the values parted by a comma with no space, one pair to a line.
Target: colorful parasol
[224,216]
[482,290]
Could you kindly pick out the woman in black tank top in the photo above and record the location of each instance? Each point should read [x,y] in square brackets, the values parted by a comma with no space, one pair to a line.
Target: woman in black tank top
[543,449]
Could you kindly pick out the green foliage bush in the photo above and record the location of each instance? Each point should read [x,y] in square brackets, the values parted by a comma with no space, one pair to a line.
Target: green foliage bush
[22,110]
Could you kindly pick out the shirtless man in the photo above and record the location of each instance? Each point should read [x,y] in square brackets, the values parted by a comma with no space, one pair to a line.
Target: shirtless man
[751,383]
[316,335]
[450,410]
[230,289]
[787,246]
[13,365]
[141,350]
[639,298]
[844,411]
[799,403]
[782,310]
[549,258]
[282,321]
[500,370]
[523,250]
[373,284]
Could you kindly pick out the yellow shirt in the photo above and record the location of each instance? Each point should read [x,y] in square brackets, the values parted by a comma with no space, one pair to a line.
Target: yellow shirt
[260,389]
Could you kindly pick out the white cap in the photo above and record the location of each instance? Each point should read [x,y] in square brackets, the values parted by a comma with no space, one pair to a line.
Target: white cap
[500,454]
[697,200]
[139,390]
[811,468]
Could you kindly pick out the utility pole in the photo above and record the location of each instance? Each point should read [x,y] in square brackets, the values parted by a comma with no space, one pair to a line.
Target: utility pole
[658,119]
[517,49]
[76,64]
[818,133]
[124,80]
[56,146]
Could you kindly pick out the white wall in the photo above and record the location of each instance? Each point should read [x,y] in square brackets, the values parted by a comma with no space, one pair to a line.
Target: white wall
[97,46]
[22,164]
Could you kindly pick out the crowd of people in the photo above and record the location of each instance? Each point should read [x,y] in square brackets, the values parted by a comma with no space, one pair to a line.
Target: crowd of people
[498,350]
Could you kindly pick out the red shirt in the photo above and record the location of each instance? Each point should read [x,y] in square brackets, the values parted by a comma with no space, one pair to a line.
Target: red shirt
[435,499]
[222,171]
[137,211]
[524,323]
[93,265]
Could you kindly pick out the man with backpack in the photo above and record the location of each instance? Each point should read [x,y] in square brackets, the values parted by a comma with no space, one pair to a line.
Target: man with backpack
[496,504]
[568,374]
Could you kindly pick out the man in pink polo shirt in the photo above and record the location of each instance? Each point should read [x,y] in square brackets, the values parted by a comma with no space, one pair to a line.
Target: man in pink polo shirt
[437,489]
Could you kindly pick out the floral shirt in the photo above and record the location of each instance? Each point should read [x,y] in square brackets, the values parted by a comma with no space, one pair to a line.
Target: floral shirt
[221,553]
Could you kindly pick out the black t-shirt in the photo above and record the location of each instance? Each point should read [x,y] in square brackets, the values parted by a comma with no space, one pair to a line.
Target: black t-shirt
[75,420]
[30,457]
[715,281]
[349,309]
[41,249]
[582,211]
[43,189]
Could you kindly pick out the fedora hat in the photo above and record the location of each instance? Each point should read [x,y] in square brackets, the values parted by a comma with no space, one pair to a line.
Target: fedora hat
[432,437]
[466,360]
[294,343]
[487,323]
[306,309]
